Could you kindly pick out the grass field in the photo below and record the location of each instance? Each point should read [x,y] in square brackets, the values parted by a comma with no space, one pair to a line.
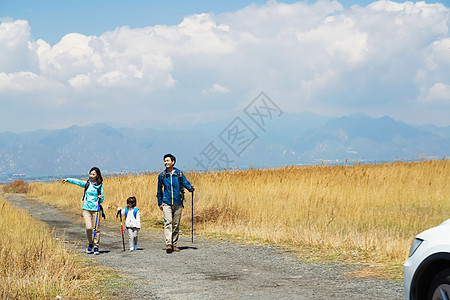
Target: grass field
[34,265]
[359,213]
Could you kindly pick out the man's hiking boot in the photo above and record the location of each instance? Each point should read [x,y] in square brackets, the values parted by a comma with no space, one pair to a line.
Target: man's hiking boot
[169,249]
[175,249]
[96,252]
[89,249]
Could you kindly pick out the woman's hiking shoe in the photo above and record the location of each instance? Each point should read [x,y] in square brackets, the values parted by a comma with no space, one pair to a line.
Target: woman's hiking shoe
[96,252]
[89,250]
[175,249]
[169,249]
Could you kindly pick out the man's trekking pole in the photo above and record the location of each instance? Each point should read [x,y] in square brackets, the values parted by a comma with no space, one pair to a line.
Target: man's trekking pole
[192,218]
[119,213]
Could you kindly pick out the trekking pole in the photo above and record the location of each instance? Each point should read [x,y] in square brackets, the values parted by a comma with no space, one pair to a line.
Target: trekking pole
[192,218]
[119,213]
[96,218]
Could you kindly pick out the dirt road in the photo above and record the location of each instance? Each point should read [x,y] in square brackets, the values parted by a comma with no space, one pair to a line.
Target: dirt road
[211,269]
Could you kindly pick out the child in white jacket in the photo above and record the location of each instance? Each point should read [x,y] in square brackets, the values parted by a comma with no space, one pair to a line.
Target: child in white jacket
[132,221]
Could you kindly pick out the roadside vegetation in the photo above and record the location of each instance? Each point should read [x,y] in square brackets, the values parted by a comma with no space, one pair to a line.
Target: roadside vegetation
[35,265]
[18,186]
[366,214]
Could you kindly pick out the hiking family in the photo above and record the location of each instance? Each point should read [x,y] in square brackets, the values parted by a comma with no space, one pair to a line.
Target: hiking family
[170,195]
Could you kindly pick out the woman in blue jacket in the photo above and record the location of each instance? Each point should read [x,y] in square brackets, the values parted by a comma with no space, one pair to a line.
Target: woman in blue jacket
[93,196]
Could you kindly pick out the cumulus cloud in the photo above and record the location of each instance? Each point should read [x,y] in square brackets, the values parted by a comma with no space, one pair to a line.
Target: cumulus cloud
[438,92]
[15,34]
[24,83]
[15,52]
[71,56]
[319,57]
[216,88]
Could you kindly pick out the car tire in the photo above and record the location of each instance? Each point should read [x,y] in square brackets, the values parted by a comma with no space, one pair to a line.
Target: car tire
[440,286]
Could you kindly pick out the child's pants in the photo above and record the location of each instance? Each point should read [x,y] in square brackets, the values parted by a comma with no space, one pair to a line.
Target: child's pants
[132,237]
[89,220]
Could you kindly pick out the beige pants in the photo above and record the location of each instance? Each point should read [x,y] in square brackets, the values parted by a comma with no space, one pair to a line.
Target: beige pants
[172,217]
[89,220]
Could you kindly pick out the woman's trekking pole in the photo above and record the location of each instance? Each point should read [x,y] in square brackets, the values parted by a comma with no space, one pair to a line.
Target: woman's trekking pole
[192,218]
[96,218]
[119,213]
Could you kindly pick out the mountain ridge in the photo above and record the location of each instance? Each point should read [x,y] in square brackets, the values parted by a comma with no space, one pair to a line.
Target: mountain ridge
[292,139]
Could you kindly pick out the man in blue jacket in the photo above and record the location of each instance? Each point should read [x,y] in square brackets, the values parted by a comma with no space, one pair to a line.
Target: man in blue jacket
[171,185]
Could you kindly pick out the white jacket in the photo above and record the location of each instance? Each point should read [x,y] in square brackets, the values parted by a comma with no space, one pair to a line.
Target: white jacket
[130,220]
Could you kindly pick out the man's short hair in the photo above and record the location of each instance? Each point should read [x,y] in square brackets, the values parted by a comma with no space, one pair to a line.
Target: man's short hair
[171,157]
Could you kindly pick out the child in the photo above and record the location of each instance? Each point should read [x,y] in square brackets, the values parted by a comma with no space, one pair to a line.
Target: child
[132,221]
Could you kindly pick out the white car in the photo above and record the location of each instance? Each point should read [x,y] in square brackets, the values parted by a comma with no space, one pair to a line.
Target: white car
[427,270]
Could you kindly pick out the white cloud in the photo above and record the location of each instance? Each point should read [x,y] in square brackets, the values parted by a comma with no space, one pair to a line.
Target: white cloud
[438,55]
[216,88]
[310,56]
[112,79]
[14,34]
[439,92]
[15,54]
[338,37]
[24,82]
[434,74]
[71,56]
[80,81]
[201,34]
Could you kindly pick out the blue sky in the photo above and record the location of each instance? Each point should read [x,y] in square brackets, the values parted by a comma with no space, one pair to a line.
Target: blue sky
[181,63]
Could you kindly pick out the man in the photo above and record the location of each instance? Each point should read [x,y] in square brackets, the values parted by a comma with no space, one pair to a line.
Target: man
[171,185]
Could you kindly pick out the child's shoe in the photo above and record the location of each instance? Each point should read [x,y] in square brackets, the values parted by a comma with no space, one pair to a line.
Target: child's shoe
[96,252]
[131,248]
[89,249]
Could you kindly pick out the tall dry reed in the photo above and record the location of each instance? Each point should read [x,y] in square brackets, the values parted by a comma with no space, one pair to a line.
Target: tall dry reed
[34,265]
[369,212]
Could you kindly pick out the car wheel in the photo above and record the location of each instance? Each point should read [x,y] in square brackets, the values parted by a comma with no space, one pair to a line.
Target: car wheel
[440,286]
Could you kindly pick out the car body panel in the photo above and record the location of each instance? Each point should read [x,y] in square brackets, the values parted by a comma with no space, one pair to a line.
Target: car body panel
[432,255]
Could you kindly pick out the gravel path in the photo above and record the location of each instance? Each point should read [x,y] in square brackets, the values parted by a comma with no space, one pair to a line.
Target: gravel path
[211,269]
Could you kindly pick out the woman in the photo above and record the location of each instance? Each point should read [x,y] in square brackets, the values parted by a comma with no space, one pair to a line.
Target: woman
[93,196]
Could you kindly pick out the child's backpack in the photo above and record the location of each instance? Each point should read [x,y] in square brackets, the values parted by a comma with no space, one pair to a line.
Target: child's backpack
[135,210]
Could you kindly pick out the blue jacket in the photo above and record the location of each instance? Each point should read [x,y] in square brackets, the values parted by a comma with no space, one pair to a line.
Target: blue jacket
[169,188]
[90,199]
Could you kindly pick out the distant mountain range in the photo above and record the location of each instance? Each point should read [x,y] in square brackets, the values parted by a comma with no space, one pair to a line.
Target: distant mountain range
[303,138]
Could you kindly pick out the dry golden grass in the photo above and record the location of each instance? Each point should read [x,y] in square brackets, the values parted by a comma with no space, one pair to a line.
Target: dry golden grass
[18,186]
[364,213]
[34,265]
